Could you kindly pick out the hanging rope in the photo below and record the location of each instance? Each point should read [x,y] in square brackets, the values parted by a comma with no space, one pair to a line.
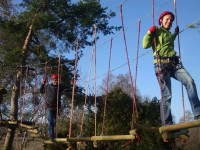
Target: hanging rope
[73,89]
[58,92]
[179,50]
[136,69]
[107,81]
[86,94]
[21,99]
[127,57]
[34,97]
[95,98]
[45,97]
[159,70]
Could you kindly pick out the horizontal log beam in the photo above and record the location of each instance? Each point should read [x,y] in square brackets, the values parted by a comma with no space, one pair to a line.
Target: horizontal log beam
[77,139]
[57,140]
[179,126]
[112,137]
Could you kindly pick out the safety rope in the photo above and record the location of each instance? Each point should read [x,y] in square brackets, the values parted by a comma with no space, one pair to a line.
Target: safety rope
[21,99]
[86,94]
[106,95]
[179,50]
[58,92]
[127,57]
[95,98]
[45,97]
[73,89]
[34,97]
[159,69]
[136,70]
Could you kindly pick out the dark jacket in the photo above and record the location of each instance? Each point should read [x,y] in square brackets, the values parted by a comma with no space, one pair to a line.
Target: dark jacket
[51,95]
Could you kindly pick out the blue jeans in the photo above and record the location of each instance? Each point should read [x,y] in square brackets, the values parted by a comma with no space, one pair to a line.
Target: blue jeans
[178,72]
[51,117]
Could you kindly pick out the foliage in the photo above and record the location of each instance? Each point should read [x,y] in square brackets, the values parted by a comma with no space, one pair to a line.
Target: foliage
[119,118]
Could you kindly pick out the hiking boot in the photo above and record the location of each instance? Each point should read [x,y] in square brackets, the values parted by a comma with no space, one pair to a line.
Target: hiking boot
[197,117]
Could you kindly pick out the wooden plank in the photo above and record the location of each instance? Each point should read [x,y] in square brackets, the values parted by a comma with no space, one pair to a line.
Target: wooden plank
[179,126]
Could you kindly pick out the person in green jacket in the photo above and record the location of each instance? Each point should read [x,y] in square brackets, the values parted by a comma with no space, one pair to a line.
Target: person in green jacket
[168,65]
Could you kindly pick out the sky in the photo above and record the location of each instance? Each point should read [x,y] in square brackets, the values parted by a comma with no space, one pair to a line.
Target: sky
[133,11]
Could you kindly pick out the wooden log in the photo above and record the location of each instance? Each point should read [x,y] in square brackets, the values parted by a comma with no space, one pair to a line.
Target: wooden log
[4,123]
[35,131]
[179,126]
[36,135]
[183,134]
[25,126]
[57,140]
[112,137]
[49,142]
[78,139]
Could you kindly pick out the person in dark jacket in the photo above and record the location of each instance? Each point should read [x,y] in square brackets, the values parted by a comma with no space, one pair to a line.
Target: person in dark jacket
[53,97]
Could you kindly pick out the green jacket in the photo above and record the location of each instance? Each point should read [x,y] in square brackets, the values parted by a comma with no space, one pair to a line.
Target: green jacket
[164,43]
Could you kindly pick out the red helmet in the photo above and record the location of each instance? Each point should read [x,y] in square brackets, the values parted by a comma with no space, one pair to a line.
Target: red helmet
[163,14]
[54,76]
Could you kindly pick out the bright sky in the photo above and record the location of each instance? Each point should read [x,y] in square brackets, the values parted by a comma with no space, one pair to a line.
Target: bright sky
[133,11]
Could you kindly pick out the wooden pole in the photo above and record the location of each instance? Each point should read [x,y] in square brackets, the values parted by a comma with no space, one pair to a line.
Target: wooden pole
[112,137]
[179,126]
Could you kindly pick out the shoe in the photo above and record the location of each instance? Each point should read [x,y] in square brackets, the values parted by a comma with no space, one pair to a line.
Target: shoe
[197,117]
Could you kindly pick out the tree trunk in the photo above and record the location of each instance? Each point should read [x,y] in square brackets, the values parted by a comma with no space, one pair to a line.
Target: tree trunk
[13,113]
[15,94]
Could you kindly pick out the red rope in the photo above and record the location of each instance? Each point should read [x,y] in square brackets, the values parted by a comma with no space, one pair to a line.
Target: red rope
[73,89]
[35,86]
[136,66]
[45,96]
[86,94]
[108,77]
[132,140]
[95,100]
[57,98]
[127,57]
[159,70]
